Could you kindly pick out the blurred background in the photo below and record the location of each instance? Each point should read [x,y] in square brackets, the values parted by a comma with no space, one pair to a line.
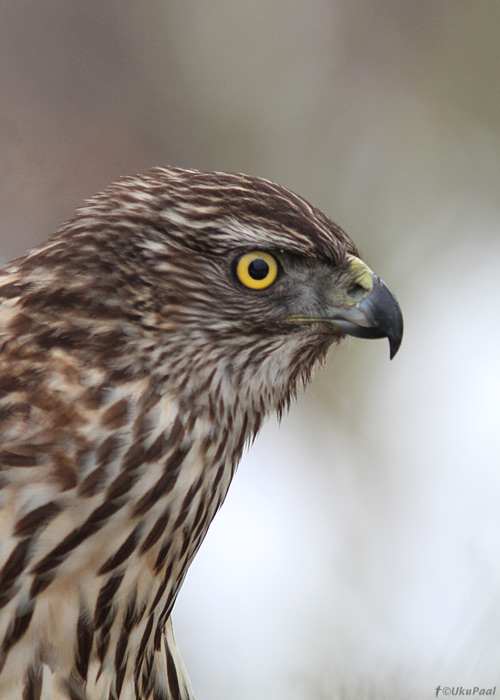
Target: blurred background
[357,554]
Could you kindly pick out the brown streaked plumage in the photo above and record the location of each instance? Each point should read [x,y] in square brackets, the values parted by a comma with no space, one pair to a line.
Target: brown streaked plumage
[140,348]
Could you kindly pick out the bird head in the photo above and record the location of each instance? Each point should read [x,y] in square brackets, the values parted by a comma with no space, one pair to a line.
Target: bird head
[203,275]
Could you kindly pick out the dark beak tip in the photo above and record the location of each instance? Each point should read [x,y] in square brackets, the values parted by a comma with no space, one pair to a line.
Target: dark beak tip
[388,317]
[394,345]
[395,334]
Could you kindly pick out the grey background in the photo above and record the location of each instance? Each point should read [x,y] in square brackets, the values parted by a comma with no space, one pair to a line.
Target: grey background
[357,555]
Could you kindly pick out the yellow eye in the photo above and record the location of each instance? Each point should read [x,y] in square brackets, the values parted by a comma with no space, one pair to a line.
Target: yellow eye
[257,270]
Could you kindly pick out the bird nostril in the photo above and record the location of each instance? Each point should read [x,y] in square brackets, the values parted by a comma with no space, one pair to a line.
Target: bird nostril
[356,292]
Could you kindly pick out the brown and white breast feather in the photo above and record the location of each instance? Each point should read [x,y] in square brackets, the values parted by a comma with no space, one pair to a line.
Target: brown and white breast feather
[100,541]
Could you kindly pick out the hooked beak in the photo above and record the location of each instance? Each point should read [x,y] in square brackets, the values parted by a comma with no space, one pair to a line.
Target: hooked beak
[371,310]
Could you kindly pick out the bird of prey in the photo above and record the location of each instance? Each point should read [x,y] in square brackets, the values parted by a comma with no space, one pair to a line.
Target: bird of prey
[141,346]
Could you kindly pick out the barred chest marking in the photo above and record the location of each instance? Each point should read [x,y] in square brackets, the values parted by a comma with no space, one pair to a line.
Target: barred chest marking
[106,558]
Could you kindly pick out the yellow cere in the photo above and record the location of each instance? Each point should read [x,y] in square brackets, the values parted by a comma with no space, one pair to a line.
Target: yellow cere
[361,273]
[257,270]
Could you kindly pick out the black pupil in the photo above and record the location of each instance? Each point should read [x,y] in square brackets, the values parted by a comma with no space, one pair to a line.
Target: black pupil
[258,269]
